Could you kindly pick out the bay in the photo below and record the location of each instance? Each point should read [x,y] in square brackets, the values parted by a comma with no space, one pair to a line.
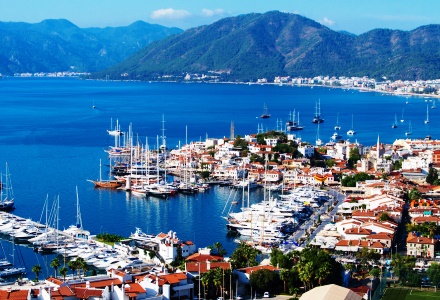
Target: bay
[52,140]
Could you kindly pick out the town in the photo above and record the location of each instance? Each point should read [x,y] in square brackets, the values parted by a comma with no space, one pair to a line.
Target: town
[369,213]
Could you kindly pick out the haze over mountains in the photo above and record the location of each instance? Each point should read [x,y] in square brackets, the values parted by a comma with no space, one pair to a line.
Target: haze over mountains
[245,47]
[59,45]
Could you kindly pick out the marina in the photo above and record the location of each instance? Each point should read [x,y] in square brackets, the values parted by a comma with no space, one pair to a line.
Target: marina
[56,145]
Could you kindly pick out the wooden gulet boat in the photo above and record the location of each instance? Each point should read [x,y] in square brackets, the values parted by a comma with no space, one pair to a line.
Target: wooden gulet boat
[108,184]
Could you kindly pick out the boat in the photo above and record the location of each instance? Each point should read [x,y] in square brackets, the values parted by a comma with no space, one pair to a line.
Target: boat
[337,127]
[317,118]
[409,132]
[93,105]
[427,115]
[402,120]
[433,104]
[13,270]
[109,184]
[351,131]
[336,136]
[294,124]
[395,122]
[265,114]
[116,131]
[6,192]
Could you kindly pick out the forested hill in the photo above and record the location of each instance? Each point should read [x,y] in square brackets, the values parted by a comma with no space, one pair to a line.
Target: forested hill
[252,46]
[59,45]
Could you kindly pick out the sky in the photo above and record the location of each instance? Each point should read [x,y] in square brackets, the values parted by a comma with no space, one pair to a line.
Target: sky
[349,15]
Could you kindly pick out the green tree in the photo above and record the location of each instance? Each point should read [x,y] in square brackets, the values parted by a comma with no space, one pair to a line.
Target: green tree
[244,256]
[375,272]
[63,272]
[72,266]
[434,273]
[323,272]
[218,248]
[432,176]
[55,264]
[353,157]
[263,280]
[414,194]
[384,217]
[37,270]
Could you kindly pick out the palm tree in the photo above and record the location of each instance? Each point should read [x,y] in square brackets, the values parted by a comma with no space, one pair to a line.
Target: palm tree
[218,279]
[218,248]
[37,270]
[284,275]
[73,266]
[63,272]
[55,263]
[305,273]
[81,265]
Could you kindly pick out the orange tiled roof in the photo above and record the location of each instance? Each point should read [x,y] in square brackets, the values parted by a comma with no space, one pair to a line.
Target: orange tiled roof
[14,294]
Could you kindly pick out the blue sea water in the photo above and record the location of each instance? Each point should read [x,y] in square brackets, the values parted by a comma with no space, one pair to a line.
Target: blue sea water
[52,140]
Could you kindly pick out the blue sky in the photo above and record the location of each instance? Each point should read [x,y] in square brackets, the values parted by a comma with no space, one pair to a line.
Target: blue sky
[350,15]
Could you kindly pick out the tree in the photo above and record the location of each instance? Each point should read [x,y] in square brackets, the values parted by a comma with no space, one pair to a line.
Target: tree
[263,280]
[218,248]
[306,273]
[384,217]
[414,194]
[37,270]
[244,256]
[323,272]
[63,272]
[54,264]
[375,272]
[353,157]
[284,276]
[434,273]
[432,176]
[72,266]
[81,265]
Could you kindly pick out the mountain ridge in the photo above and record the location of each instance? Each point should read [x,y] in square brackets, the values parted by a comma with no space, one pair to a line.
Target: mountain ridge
[252,46]
[59,45]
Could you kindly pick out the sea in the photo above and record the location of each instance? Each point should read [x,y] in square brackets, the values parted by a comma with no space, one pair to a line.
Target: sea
[53,139]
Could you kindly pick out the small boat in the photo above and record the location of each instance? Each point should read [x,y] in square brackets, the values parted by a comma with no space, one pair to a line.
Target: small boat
[337,127]
[427,115]
[116,131]
[93,105]
[395,122]
[351,131]
[265,114]
[317,118]
[409,132]
[6,193]
[433,104]
[336,136]
[402,120]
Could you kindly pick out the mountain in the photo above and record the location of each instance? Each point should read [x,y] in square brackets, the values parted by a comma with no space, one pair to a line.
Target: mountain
[252,46]
[59,45]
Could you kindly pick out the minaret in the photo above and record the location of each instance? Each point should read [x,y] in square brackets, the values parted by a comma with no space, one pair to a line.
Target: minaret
[232,137]
[378,148]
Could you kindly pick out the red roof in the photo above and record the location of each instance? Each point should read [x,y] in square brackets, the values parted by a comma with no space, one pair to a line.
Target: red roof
[14,294]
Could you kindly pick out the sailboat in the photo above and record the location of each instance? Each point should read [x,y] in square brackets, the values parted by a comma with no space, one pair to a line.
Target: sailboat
[427,115]
[116,131]
[402,120]
[77,231]
[395,122]
[433,104]
[109,184]
[13,271]
[93,105]
[351,131]
[6,193]
[317,118]
[294,124]
[265,114]
[409,132]
[337,127]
